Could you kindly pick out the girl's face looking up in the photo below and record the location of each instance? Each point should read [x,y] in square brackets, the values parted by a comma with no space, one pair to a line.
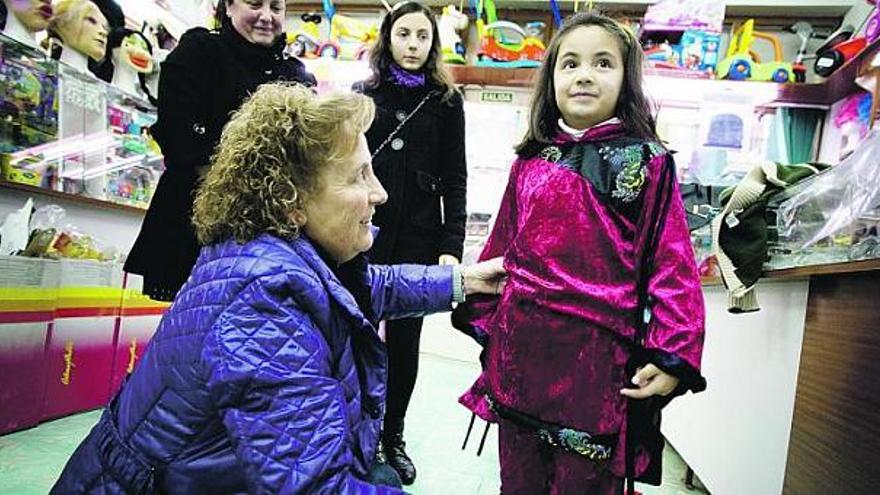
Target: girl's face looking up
[588,76]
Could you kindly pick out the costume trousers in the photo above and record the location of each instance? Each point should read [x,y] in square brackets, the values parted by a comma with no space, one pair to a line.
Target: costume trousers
[531,467]
[402,341]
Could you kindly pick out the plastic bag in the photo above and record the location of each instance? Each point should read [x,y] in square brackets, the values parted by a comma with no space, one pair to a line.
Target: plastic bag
[43,230]
[833,206]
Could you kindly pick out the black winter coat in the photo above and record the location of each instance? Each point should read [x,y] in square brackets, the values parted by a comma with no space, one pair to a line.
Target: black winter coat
[426,178]
[205,79]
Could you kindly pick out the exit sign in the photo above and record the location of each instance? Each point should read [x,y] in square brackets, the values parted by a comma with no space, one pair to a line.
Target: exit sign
[496,96]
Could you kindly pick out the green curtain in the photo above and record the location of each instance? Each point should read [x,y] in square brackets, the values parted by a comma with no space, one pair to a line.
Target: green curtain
[799,126]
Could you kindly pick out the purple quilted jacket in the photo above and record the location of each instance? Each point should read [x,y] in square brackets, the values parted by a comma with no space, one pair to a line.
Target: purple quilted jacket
[265,376]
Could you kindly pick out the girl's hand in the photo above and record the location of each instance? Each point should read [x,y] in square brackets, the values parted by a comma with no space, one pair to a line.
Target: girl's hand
[448,259]
[488,277]
[651,380]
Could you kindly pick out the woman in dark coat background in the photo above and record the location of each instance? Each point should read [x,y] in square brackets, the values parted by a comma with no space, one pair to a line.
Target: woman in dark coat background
[423,168]
[204,79]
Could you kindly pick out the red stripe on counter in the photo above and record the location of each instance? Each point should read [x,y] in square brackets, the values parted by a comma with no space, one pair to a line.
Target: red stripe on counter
[82,312]
[143,311]
[26,316]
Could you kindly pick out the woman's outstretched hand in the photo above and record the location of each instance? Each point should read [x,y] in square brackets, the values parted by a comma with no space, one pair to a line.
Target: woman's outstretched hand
[487,277]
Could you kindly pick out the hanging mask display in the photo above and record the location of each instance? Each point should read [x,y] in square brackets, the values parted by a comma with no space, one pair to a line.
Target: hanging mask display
[34,15]
[81,26]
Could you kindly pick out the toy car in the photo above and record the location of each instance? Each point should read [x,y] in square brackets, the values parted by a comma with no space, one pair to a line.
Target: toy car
[520,50]
[740,64]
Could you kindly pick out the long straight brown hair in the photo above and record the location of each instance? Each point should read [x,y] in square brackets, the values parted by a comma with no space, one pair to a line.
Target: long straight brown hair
[381,58]
[633,107]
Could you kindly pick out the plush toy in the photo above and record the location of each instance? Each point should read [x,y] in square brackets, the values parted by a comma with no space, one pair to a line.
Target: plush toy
[81,26]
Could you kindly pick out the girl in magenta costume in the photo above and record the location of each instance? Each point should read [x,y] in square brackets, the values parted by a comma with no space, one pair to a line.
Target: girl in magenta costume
[591,197]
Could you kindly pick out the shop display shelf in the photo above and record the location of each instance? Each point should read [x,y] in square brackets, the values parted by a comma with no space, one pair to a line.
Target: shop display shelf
[75,198]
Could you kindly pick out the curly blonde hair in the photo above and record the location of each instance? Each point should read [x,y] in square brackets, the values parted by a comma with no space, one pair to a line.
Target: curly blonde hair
[269,157]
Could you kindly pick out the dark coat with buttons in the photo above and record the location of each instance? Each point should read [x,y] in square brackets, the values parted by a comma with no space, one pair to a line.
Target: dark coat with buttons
[266,375]
[203,81]
[424,172]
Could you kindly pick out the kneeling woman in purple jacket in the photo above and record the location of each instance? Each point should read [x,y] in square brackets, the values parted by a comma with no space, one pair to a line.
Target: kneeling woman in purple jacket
[266,375]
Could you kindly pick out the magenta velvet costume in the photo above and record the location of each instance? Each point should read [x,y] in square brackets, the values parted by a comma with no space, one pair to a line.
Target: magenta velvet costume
[571,234]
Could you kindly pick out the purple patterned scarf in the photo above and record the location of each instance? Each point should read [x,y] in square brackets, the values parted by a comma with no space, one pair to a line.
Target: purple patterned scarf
[405,78]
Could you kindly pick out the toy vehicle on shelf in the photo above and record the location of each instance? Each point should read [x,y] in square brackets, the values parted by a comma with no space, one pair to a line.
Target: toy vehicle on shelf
[508,43]
[505,43]
[743,64]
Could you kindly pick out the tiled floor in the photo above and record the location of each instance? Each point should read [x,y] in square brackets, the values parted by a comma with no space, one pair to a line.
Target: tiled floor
[31,460]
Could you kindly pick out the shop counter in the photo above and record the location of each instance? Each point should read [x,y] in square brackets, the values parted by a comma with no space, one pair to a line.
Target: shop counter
[793,397]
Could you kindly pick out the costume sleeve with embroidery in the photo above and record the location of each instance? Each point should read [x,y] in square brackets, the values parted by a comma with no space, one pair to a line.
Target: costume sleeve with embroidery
[473,316]
[675,333]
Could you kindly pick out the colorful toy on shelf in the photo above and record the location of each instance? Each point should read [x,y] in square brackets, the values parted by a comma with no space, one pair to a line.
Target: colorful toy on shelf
[305,41]
[853,115]
[689,50]
[350,38]
[28,88]
[504,43]
[451,22]
[741,63]
[831,58]
[805,32]
[683,35]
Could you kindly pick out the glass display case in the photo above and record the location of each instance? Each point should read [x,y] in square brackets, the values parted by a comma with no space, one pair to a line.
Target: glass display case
[67,131]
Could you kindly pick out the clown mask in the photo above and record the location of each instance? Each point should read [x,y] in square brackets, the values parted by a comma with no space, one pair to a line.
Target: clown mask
[135,53]
[34,15]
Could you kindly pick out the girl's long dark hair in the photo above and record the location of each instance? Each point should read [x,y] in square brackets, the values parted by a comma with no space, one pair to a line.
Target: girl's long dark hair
[633,107]
[381,58]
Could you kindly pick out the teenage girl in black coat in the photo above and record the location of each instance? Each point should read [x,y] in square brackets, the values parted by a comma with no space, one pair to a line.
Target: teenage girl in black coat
[422,167]
[204,79]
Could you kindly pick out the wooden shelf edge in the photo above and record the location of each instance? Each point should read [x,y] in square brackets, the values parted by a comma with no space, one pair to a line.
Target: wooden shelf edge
[74,198]
[827,269]
[835,88]
[841,268]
